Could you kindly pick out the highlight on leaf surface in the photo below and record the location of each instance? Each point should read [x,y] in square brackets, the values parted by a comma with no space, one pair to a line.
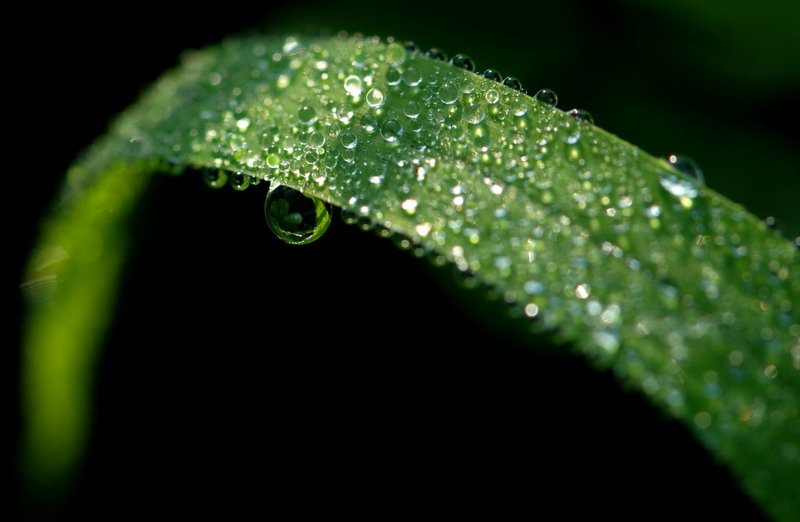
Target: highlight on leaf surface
[631,258]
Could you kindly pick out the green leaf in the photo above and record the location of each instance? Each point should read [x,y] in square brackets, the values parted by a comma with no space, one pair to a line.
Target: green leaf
[682,293]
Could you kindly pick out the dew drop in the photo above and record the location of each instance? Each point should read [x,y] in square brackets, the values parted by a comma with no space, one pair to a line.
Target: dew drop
[463,61]
[307,115]
[412,109]
[411,47]
[436,54]
[475,113]
[546,96]
[393,77]
[491,74]
[375,98]
[215,178]
[391,130]
[581,115]
[395,54]
[349,140]
[316,140]
[353,85]
[492,96]
[771,222]
[412,77]
[369,122]
[448,93]
[273,161]
[240,181]
[687,166]
[294,217]
[513,83]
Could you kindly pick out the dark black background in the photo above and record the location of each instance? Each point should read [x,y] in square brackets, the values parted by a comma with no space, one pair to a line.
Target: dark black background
[243,375]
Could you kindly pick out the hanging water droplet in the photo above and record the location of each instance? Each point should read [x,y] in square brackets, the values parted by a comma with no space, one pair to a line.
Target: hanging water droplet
[294,217]
[215,178]
[240,180]
[391,130]
[463,61]
[307,115]
[582,115]
[512,82]
[436,54]
[491,74]
[547,96]
[687,166]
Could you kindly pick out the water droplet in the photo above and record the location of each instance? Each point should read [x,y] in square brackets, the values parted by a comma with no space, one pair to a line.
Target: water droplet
[547,96]
[687,166]
[215,178]
[513,83]
[393,77]
[316,140]
[349,140]
[240,181]
[369,122]
[463,61]
[294,217]
[448,93]
[391,130]
[412,77]
[273,161]
[411,47]
[771,222]
[307,115]
[677,187]
[375,98]
[582,291]
[353,85]
[491,74]
[475,113]
[436,54]
[395,54]
[412,109]
[582,115]
[492,96]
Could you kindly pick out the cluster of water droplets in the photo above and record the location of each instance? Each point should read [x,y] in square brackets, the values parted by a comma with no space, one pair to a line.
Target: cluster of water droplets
[471,169]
